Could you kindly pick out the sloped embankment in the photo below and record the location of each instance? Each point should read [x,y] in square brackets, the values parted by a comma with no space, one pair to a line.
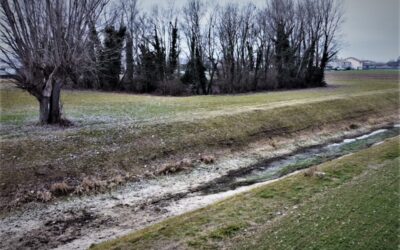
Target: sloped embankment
[131,152]
[353,205]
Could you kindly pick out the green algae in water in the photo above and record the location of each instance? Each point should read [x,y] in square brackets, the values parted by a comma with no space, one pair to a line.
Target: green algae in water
[314,157]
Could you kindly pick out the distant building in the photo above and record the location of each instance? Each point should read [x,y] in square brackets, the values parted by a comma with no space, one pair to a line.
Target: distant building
[367,64]
[6,71]
[338,64]
[355,63]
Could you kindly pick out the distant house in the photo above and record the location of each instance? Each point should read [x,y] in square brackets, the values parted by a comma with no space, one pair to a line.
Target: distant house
[380,65]
[355,63]
[6,71]
[367,64]
[338,64]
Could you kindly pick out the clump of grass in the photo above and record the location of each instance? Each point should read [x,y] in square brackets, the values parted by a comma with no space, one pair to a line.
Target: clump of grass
[171,168]
[119,179]
[60,188]
[207,159]
[320,175]
[226,231]
[314,172]
[90,184]
[268,193]
[44,196]
[310,172]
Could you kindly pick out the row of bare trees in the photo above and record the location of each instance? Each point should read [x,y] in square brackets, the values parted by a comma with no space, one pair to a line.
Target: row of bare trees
[197,48]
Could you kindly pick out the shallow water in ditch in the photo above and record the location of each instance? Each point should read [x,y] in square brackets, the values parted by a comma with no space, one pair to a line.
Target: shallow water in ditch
[312,156]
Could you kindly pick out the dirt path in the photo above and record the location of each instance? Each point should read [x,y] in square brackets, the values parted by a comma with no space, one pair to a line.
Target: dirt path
[278,104]
[76,223]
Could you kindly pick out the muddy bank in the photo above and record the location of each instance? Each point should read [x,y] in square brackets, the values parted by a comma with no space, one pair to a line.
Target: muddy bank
[78,222]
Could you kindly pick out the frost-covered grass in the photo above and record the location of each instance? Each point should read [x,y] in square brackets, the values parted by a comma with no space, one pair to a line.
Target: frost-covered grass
[354,206]
[93,107]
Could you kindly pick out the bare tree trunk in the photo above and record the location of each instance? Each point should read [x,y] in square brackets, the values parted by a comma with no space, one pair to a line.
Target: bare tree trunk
[50,108]
[129,59]
[257,67]
[214,68]
[55,108]
[44,109]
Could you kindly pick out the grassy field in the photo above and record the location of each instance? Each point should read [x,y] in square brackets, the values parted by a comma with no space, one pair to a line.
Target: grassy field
[121,133]
[90,107]
[355,206]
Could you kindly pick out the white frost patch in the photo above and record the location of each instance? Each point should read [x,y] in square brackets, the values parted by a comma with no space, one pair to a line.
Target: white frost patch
[378,143]
[348,141]
[371,134]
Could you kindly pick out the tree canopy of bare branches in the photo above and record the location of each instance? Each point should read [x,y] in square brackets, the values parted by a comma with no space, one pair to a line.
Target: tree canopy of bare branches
[45,40]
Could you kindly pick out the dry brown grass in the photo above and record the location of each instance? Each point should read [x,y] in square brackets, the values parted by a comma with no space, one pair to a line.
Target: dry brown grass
[309,172]
[314,172]
[207,159]
[319,174]
[170,168]
[44,196]
[90,184]
[60,188]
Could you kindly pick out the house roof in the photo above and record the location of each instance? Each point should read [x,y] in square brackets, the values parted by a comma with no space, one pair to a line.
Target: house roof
[6,71]
[3,72]
[353,58]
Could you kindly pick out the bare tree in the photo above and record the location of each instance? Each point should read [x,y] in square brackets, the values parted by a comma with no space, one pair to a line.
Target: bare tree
[130,14]
[332,18]
[246,47]
[263,46]
[193,13]
[228,31]
[212,54]
[47,39]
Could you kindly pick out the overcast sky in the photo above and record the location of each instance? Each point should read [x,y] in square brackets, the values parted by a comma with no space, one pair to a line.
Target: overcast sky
[370,31]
